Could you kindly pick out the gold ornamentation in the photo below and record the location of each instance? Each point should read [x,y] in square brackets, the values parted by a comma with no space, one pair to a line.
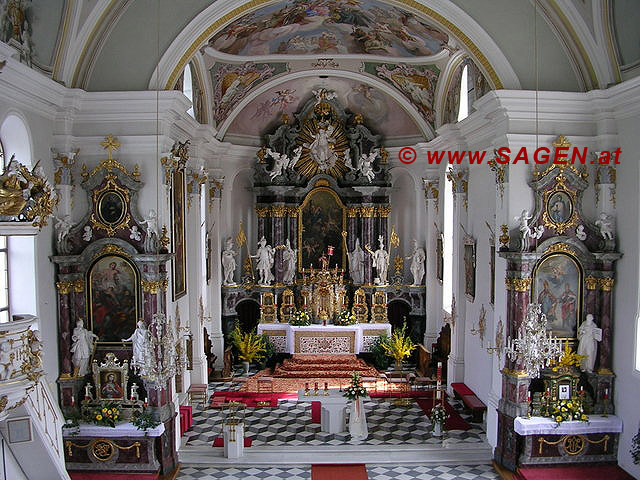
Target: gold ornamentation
[384,155]
[514,373]
[431,190]
[102,449]
[164,238]
[322,182]
[110,144]
[573,444]
[591,282]
[111,250]
[499,342]
[518,284]
[64,287]
[459,184]
[154,286]
[78,286]
[560,247]
[572,221]
[500,173]
[504,238]
[384,211]
[482,324]
[299,334]
[398,265]
[110,188]
[262,153]
[560,142]
[606,284]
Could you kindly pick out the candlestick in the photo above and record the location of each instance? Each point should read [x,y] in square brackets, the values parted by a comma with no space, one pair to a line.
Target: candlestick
[73,401]
[146,402]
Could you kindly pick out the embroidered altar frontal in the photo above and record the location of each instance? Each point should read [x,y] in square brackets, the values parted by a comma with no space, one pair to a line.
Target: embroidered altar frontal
[323,339]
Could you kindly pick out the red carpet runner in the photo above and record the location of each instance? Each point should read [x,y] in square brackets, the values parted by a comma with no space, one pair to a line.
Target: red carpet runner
[339,472]
[454,422]
[587,472]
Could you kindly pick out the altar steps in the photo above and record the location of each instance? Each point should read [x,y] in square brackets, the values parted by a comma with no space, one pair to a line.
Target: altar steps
[444,454]
[323,366]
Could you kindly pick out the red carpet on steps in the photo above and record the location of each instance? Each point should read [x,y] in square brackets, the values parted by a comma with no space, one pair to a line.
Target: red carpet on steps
[454,422]
[339,472]
[585,472]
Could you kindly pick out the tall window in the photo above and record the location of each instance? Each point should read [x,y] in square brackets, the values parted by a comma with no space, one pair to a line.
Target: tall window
[638,344]
[4,280]
[447,248]
[463,111]
[187,88]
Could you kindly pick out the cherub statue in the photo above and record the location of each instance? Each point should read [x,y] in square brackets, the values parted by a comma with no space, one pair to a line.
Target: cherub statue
[63,226]
[151,240]
[365,164]
[605,225]
[88,233]
[134,233]
[5,361]
[525,230]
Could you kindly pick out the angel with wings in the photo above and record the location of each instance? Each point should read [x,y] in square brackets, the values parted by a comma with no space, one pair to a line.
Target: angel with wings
[282,162]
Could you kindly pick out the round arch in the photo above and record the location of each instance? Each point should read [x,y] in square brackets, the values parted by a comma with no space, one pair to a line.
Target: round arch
[16,138]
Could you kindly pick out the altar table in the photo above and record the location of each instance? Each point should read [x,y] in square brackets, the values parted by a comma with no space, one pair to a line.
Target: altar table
[333,417]
[318,339]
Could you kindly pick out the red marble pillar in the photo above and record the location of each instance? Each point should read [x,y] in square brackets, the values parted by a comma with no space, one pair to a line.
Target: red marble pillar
[606,314]
[65,327]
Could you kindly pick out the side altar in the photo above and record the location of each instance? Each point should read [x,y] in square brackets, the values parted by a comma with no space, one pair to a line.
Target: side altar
[324,243]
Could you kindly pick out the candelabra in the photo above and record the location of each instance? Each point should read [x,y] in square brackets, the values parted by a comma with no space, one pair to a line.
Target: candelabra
[160,358]
[534,347]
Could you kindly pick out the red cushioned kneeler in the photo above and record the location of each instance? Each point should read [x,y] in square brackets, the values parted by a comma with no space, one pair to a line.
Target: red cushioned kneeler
[316,412]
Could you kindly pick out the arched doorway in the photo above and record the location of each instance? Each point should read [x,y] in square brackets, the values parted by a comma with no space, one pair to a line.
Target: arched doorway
[398,313]
[248,312]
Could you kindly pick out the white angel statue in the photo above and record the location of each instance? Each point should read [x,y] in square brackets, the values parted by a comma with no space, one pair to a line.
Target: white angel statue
[365,163]
[525,230]
[605,225]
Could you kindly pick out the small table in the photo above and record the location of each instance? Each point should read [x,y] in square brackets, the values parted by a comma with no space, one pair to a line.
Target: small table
[333,416]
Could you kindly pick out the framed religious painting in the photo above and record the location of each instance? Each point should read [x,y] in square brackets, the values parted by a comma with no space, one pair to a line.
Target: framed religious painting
[322,219]
[439,258]
[557,287]
[492,272]
[179,261]
[470,268]
[560,207]
[113,298]
[111,379]
[111,207]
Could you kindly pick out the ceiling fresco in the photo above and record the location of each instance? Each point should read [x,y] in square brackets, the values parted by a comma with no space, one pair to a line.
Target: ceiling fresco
[380,111]
[329,27]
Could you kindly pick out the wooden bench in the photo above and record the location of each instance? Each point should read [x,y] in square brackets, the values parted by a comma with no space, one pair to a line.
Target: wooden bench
[460,390]
[198,393]
[475,405]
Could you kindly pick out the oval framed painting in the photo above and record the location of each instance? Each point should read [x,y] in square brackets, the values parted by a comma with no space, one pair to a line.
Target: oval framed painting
[559,207]
[111,207]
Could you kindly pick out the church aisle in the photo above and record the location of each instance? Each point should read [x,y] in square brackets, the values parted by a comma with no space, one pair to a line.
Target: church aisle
[375,472]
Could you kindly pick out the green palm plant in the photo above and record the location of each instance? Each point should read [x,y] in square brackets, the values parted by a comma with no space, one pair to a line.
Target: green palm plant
[399,345]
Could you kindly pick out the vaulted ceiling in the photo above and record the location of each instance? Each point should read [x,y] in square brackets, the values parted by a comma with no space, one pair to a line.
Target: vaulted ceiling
[397,63]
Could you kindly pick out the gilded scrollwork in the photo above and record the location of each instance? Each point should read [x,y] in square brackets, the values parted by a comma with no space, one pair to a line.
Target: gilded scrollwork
[560,226]
[560,142]
[110,144]
[154,286]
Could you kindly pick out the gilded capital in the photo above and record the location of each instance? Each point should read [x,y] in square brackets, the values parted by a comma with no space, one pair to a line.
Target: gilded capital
[591,282]
[606,284]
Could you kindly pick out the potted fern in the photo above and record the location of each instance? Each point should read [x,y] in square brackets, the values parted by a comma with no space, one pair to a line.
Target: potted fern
[399,345]
[251,346]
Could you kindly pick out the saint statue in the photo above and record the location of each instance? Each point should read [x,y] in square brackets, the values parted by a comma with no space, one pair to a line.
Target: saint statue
[140,339]
[229,262]
[588,337]
[151,239]
[525,230]
[289,259]
[265,255]
[356,264]
[63,227]
[381,261]
[321,149]
[82,348]
[417,263]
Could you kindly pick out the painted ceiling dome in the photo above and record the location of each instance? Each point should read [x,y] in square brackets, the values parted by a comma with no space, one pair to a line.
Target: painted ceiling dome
[329,27]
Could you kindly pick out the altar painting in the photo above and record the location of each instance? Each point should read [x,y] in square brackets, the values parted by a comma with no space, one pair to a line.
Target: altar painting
[321,223]
[113,298]
[557,287]
[178,238]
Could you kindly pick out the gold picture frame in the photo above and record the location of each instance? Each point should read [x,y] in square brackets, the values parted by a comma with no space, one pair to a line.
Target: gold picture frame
[560,207]
[179,260]
[110,207]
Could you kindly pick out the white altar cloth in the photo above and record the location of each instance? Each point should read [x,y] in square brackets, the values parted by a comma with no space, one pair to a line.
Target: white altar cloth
[361,333]
[120,430]
[547,426]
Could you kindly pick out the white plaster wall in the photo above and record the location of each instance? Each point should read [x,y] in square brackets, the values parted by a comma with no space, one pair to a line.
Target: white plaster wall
[627,383]
[10,468]
[404,215]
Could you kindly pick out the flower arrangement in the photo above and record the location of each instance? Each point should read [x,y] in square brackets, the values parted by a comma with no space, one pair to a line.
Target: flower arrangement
[144,420]
[356,389]
[566,410]
[107,414]
[300,319]
[399,345]
[250,345]
[345,318]
[438,416]
[569,359]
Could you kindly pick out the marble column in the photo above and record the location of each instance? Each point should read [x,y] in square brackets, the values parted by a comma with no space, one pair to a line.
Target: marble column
[368,237]
[606,304]
[215,330]
[455,364]
[433,285]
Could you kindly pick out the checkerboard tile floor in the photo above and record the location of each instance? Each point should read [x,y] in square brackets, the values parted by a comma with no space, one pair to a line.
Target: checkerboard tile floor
[376,472]
[290,424]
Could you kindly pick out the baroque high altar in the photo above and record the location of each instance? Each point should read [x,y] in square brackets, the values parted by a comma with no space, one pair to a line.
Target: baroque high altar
[323,241]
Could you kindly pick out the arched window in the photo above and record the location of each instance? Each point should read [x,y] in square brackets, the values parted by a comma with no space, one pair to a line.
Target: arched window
[638,344]
[187,88]
[16,140]
[447,248]
[463,110]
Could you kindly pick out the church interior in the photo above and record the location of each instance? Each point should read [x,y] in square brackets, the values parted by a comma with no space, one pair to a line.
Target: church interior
[341,239]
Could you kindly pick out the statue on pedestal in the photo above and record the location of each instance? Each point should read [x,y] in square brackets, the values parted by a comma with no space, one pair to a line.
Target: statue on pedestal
[588,337]
[525,230]
[289,260]
[605,225]
[229,262]
[82,348]
[417,263]
[265,255]
[140,339]
[356,264]
[381,262]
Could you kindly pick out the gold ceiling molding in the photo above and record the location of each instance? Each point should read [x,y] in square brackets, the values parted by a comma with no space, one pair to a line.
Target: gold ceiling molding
[255,4]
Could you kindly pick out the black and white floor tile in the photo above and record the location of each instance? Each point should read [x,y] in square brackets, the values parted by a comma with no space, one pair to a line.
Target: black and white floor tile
[290,424]
[375,472]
